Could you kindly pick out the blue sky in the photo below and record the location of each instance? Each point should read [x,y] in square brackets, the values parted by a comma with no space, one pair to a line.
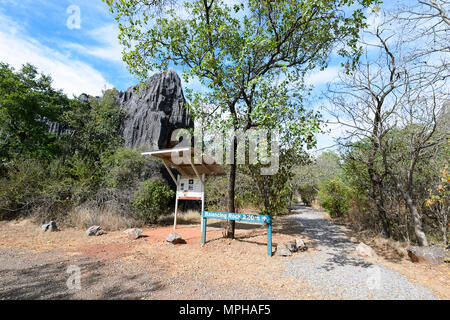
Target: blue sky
[87,59]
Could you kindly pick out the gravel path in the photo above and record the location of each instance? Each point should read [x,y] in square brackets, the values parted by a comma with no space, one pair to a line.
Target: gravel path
[338,274]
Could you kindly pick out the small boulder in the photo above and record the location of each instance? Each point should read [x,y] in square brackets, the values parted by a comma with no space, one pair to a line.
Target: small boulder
[301,246]
[174,238]
[51,226]
[283,250]
[292,246]
[133,233]
[94,231]
[364,250]
[433,255]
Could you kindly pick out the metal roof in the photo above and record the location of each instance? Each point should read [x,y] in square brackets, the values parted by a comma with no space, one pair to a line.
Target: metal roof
[188,166]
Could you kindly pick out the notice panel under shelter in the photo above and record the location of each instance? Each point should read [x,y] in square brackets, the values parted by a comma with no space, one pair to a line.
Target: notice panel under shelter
[193,168]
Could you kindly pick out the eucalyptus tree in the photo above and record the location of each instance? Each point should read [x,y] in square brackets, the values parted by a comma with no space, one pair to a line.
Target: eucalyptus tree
[236,48]
[390,102]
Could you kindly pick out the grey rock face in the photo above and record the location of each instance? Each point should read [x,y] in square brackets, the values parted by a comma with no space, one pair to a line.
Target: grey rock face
[434,255]
[154,110]
[51,226]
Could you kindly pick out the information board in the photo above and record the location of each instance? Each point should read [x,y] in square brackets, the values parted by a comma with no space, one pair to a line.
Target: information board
[190,189]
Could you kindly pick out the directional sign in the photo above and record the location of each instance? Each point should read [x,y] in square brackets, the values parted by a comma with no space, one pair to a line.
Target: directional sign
[255,218]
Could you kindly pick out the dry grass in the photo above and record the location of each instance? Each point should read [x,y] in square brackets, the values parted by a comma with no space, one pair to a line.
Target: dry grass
[83,217]
[188,217]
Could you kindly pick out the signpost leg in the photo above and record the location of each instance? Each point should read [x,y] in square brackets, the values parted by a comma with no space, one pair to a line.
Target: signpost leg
[203,199]
[269,239]
[176,209]
[176,204]
[203,228]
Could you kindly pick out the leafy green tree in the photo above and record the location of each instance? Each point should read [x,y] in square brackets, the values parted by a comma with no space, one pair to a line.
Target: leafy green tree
[123,168]
[237,52]
[28,104]
[93,127]
[334,197]
[152,199]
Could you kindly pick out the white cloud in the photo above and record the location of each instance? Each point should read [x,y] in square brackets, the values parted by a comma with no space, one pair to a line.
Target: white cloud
[109,48]
[73,76]
[317,78]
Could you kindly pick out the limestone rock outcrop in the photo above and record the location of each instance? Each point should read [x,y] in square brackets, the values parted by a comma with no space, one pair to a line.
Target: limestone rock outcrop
[154,109]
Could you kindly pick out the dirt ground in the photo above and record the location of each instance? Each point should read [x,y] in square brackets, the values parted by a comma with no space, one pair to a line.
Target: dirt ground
[34,264]
[113,266]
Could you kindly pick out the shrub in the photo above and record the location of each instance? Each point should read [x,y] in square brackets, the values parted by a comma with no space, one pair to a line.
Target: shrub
[123,168]
[20,187]
[246,194]
[308,193]
[334,197]
[152,198]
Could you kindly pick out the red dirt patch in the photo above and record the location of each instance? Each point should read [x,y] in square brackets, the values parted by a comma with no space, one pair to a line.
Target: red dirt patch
[192,235]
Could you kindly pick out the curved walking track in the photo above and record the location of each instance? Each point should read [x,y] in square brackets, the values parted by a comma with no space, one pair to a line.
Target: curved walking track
[336,272]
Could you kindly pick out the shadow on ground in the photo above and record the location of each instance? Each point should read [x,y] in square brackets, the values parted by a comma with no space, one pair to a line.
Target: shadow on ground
[50,281]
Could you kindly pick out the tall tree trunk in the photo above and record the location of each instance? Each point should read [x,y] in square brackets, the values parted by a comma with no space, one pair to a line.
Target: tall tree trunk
[377,196]
[230,225]
[444,224]
[418,228]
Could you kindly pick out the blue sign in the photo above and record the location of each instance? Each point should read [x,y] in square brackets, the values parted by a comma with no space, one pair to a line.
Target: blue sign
[255,218]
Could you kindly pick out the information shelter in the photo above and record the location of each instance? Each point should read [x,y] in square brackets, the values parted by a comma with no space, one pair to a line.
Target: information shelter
[190,181]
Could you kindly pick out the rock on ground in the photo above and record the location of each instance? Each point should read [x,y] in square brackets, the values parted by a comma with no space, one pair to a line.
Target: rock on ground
[283,250]
[434,255]
[94,231]
[364,250]
[174,238]
[51,226]
[133,233]
[301,244]
[292,247]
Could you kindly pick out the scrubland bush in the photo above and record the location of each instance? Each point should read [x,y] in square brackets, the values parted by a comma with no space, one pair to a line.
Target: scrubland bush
[152,198]
[123,168]
[307,193]
[246,194]
[334,197]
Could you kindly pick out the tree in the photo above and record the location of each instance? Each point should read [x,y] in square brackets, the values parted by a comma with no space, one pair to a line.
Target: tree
[28,104]
[427,23]
[308,175]
[238,51]
[93,127]
[389,93]
[439,203]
